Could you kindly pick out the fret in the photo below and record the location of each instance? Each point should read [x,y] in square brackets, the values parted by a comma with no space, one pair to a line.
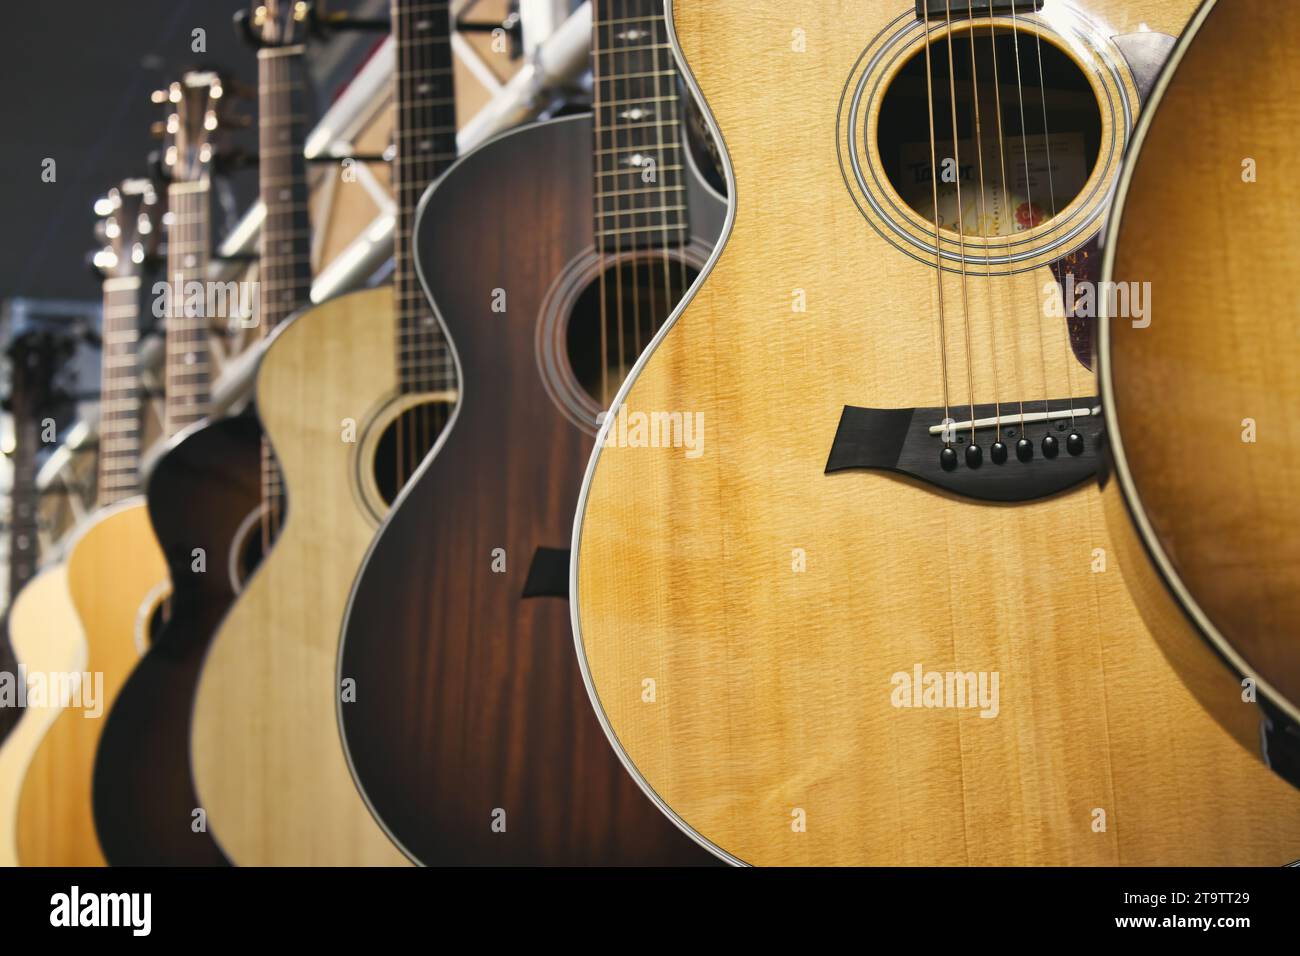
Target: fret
[121,401]
[636,116]
[285,269]
[635,150]
[637,230]
[640,212]
[675,168]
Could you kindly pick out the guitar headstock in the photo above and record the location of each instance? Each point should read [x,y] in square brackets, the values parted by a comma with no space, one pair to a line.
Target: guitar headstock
[193,133]
[278,23]
[130,223]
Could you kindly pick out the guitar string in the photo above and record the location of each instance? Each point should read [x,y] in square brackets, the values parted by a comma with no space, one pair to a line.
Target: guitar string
[961,218]
[658,23]
[407,346]
[675,121]
[1051,191]
[632,258]
[934,192]
[984,220]
[633,63]
[598,126]
[1029,204]
[620,319]
[1007,205]
[677,108]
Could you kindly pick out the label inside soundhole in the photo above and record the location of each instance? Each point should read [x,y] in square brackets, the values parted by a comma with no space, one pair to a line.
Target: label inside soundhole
[1038,132]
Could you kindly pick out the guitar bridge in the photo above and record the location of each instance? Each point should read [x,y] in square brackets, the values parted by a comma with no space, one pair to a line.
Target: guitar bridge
[1055,446]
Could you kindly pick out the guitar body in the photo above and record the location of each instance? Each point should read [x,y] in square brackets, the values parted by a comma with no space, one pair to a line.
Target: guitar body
[200,496]
[469,711]
[1214,549]
[46,639]
[113,570]
[782,611]
[268,763]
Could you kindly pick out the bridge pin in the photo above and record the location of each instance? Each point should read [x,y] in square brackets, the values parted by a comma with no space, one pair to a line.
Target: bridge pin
[1074,443]
[948,459]
[1050,449]
[998,452]
[974,456]
[1024,449]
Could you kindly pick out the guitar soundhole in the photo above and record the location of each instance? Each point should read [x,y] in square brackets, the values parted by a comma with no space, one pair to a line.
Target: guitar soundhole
[1056,115]
[638,296]
[404,443]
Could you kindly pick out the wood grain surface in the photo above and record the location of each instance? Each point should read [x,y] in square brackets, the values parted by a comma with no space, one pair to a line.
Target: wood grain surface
[199,495]
[47,640]
[268,760]
[1205,394]
[113,568]
[471,731]
[773,732]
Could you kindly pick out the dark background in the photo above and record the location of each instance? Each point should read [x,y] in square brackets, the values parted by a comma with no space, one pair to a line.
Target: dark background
[75,79]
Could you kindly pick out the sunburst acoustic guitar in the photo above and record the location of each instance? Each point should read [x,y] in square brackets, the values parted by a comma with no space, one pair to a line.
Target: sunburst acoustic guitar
[48,648]
[352,393]
[205,497]
[469,731]
[115,573]
[878,618]
[1210,548]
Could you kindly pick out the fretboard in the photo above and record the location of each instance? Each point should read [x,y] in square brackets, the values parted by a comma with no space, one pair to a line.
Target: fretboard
[285,269]
[188,372]
[640,191]
[120,406]
[425,136]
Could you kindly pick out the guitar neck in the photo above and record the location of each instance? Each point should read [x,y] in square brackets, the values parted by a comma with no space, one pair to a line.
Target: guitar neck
[188,378]
[425,136]
[639,168]
[285,270]
[29,371]
[121,411]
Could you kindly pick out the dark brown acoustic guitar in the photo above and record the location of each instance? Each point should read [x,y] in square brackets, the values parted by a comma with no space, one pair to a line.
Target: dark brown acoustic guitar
[470,732]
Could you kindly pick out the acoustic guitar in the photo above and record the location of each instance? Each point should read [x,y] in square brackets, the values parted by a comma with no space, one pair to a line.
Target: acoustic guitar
[469,730]
[206,507]
[1209,543]
[115,574]
[49,650]
[877,617]
[351,394]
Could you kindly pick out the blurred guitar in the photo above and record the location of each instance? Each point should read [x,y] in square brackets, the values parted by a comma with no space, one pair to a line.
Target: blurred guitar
[469,731]
[1206,217]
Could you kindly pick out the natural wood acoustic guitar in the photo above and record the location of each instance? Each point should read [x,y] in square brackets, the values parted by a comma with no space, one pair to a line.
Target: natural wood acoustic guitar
[469,731]
[879,618]
[1205,218]
[210,513]
[115,573]
[42,673]
[352,393]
